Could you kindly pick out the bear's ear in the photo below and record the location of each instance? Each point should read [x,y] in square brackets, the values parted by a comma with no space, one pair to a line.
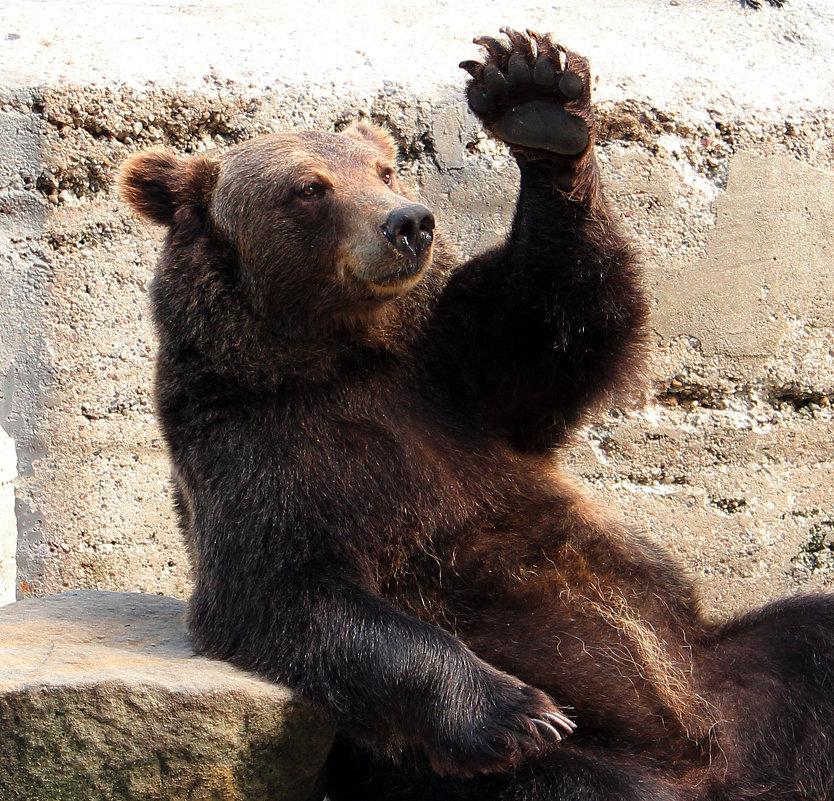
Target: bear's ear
[376,135]
[157,183]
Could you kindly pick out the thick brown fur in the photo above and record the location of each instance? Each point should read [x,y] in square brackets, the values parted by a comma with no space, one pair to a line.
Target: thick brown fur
[362,433]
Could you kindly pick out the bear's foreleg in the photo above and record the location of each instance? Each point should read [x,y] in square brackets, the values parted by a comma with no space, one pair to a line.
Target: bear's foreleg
[551,322]
[388,679]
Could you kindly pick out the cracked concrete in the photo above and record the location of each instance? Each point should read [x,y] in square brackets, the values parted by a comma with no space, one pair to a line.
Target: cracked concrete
[716,130]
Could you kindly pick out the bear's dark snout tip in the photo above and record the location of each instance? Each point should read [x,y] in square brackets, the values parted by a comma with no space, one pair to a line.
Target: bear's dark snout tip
[410,229]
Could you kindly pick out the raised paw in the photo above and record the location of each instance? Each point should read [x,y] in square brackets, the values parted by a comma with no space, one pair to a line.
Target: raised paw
[508,723]
[532,94]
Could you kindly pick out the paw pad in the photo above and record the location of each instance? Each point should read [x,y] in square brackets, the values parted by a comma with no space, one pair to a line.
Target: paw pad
[544,126]
[532,93]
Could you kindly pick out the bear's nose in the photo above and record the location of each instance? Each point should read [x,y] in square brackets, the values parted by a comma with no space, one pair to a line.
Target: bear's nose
[410,229]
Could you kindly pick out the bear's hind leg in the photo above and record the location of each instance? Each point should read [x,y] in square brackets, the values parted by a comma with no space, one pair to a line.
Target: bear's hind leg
[571,773]
[772,676]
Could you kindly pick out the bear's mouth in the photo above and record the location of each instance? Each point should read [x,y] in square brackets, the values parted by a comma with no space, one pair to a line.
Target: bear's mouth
[392,261]
[407,272]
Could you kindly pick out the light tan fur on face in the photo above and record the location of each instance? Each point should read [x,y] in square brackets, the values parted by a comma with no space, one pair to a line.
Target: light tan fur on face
[256,189]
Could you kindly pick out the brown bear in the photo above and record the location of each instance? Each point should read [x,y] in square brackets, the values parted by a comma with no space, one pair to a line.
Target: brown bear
[362,432]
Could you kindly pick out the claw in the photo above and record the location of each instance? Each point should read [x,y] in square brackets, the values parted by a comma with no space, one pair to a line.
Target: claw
[512,34]
[561,56]
[547,728]
[474,68]
[544,44]
[496,49]
[560,720]
[535,37]
[521,43]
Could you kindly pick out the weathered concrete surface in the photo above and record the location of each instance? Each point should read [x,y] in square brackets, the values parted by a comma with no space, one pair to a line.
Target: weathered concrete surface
[769,256]
[716,141]
[102,698]
[8,522]
[732,464]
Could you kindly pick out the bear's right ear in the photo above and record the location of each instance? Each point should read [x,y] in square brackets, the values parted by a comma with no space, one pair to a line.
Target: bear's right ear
[375,134]
[157,183]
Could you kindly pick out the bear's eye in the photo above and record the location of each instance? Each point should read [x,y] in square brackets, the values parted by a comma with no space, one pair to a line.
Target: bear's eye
[388,177]
[312,190]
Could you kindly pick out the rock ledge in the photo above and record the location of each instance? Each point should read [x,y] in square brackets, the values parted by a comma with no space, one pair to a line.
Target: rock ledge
[102,697]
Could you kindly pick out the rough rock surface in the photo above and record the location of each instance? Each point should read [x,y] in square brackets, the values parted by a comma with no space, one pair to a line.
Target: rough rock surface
[716,138]
[102,698]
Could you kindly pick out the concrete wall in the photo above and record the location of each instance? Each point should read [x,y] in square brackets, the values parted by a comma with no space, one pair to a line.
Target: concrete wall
[8,520]
[716,141]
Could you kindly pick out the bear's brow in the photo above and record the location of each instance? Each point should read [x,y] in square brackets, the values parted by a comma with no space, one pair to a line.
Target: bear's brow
[303,175]
[303,163]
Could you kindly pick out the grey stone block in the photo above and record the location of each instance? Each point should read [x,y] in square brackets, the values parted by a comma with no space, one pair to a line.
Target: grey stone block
[103,699]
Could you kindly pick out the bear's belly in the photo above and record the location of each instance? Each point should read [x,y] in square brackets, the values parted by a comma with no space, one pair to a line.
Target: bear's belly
[617,660]
[600,622]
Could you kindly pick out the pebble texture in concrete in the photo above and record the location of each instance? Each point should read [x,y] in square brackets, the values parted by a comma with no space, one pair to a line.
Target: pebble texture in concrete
[716,131]
[103,699]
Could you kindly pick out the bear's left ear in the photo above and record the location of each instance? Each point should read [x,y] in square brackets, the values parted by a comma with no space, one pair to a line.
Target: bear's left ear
[157,183]
[367,132]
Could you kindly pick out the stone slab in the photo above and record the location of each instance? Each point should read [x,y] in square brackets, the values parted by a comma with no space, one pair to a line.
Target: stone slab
[684,54]
[768,261]
[102,698]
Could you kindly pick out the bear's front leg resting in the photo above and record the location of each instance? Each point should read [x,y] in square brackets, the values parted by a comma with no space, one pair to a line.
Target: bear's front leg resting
[389,678]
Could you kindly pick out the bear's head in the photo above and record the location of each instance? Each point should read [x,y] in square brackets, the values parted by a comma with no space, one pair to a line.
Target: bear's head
[304,224]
